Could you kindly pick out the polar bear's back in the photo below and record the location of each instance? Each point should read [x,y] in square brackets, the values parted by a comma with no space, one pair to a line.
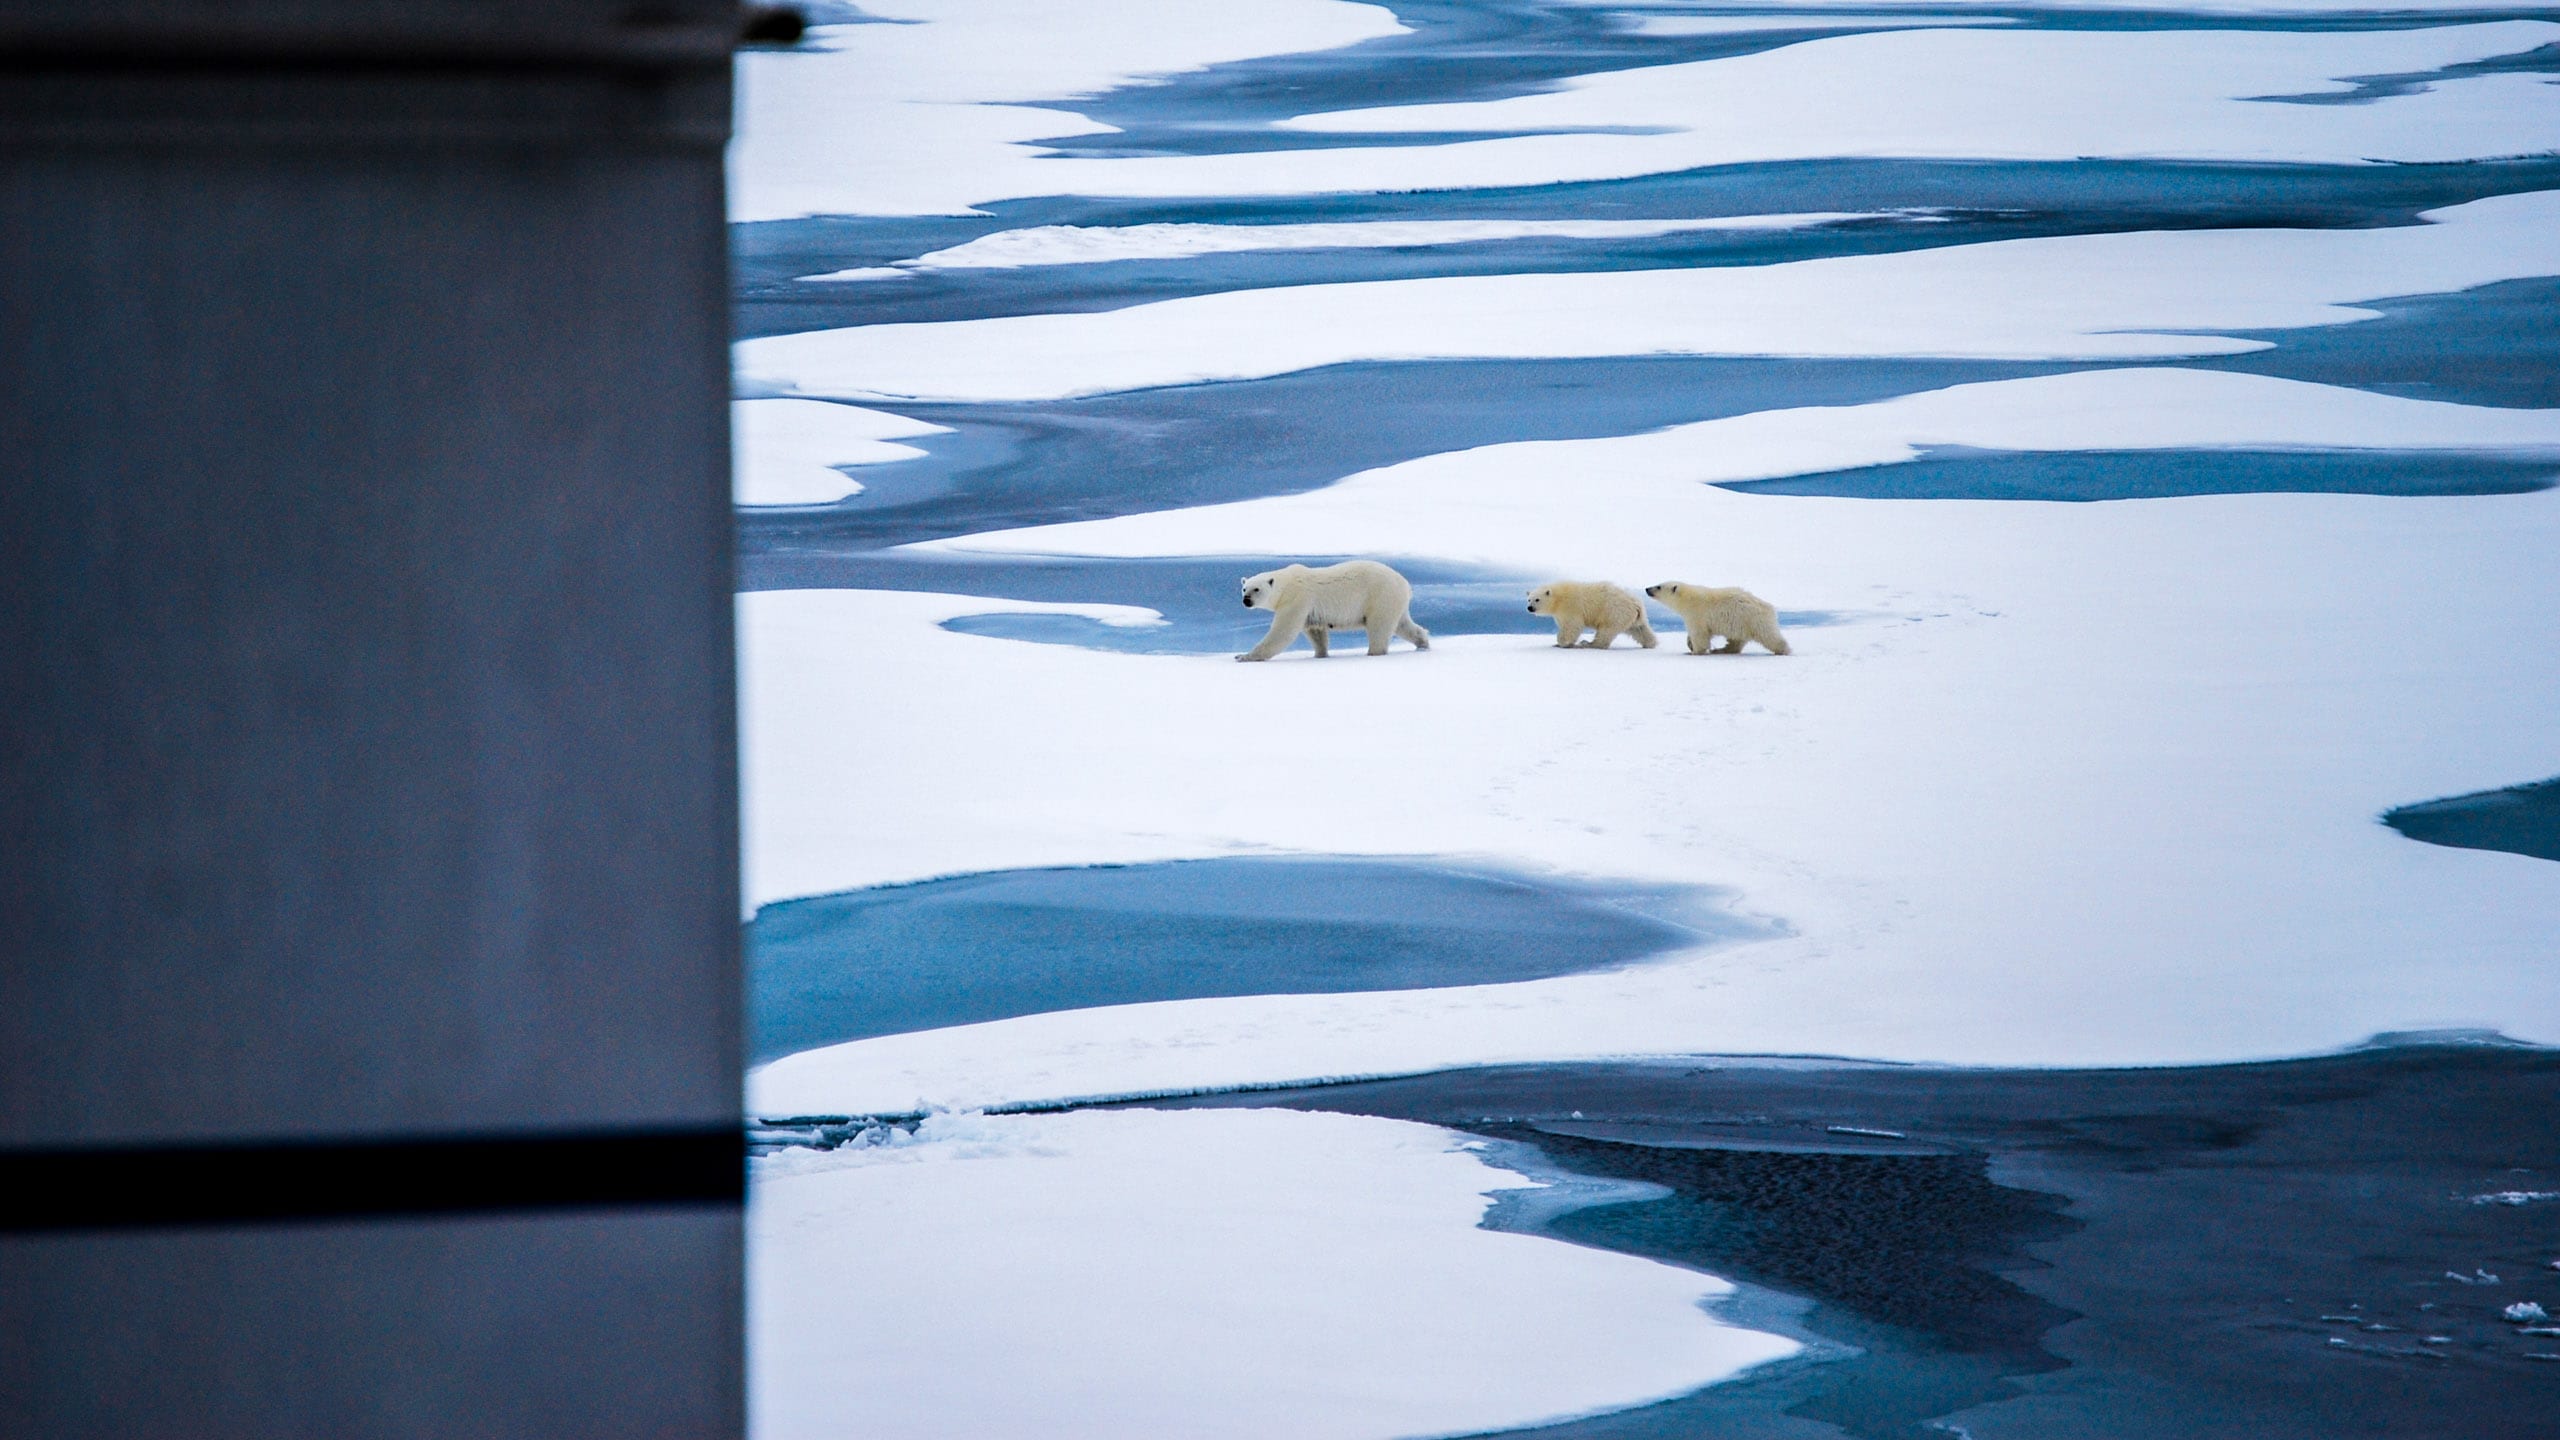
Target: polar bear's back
[1720,602]
[1348,593]
[1598,602]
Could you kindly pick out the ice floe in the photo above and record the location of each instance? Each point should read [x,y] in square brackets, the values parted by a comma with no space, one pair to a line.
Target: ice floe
[792,452]
[2069,784]
[1269,1273]
[2127,295]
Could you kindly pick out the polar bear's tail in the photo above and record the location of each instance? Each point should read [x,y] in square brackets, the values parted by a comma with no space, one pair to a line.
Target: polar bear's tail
[1420,637]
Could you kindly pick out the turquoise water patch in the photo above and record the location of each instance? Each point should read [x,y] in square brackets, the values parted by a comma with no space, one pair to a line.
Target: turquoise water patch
[791,300]
[1206,618]
[2492,345]
[1198,596]
[2367,89]
[1474,51]
[1021,942]
[1046,462]
[2520,819]
[1955,472]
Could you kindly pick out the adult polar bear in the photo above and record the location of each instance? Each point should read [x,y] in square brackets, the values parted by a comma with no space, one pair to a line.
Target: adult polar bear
[1354,595]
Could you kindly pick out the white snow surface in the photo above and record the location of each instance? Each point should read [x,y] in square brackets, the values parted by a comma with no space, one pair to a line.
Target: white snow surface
[801,829]
[941,116]
[1314,1277]
[2136,294]
[788,452]
[928,117]
[2071,784]
[1094,244]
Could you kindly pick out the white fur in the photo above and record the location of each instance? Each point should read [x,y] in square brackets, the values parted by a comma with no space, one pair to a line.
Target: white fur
[1710,611]
[1605,610]
[1354,595]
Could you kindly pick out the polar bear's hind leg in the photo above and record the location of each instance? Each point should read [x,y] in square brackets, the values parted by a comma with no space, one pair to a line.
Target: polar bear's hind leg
[1419,637]
[1381,630]
[1644,634]
[1604,635]
[1321,638]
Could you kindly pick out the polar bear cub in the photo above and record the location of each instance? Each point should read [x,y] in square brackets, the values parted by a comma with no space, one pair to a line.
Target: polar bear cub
[1354,595]
[1711,610]
[1605,610]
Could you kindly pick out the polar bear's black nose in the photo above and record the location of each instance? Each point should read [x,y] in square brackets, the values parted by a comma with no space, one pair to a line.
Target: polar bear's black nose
[1248,602]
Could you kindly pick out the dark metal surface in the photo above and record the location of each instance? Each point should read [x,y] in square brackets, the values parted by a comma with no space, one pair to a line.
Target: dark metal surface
[367,704]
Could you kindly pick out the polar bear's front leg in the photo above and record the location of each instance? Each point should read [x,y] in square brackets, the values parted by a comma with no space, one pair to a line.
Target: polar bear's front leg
[1568,629]
[1700,638]
[1285,625]
[1604,636]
